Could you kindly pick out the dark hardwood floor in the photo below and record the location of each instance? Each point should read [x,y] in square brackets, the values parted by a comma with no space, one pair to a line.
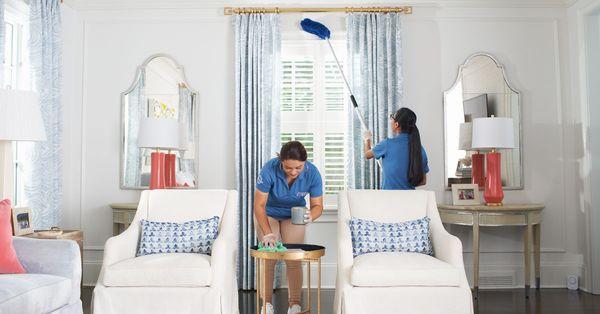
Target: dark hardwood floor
[490,301]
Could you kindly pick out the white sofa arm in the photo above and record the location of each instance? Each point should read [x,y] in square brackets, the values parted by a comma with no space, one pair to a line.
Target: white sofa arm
[345,257]
[224,250]
[122,247]
[53,257]
[446,247]
[224,256]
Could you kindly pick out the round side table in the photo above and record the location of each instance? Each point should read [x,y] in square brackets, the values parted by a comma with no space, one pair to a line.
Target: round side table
[306,253]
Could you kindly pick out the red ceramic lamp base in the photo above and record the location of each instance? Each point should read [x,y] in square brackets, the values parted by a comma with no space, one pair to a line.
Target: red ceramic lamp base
[493,193]
[157,171]
[170,181]
[477,172]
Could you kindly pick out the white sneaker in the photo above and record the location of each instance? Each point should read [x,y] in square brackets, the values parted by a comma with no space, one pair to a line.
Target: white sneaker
[294,309]
[269,309]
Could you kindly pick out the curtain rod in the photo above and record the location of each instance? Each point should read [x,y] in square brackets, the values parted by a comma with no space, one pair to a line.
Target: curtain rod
[231,11]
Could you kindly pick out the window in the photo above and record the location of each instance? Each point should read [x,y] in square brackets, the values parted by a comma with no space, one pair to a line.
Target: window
[16,76]
[313,108]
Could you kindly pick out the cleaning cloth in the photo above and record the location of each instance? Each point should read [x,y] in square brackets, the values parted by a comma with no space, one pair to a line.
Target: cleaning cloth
[278,247]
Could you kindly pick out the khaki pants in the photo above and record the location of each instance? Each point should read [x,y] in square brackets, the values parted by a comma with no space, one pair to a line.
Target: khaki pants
[285,232]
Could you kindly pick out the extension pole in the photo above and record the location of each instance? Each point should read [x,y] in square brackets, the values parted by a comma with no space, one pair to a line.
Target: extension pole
[354,103]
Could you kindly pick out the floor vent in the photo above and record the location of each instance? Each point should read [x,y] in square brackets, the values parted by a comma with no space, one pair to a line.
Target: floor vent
[504,279]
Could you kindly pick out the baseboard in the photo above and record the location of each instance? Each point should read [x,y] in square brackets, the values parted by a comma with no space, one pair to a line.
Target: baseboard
[91,271]
[553,275]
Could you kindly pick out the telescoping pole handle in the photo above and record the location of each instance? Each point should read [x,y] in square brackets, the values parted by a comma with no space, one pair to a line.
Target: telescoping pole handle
[363,125]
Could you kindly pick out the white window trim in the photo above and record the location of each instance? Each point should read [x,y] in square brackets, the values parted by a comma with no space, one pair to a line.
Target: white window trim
[326,121]
[17,14]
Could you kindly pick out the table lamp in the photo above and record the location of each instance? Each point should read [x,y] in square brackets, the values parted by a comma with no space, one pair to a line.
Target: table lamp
[493,133]
[158,133]
[20,120]
[465,142]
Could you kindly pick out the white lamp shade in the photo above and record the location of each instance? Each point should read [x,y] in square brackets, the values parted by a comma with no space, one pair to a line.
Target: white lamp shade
[160,133]
[20,116]
[493,133]
[465,136]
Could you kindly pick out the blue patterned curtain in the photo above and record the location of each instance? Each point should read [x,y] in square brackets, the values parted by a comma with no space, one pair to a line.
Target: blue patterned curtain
[186,116]
[257,46]
[375,74]
[44,190]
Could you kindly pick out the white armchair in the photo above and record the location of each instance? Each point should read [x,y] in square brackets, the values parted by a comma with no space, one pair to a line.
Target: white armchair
[175,282]
[399,282]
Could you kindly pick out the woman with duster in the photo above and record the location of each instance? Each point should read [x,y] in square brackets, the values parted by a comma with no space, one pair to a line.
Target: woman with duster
[404,159]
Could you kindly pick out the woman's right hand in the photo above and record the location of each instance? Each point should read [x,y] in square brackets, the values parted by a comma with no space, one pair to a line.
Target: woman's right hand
[269,240]
[367,135]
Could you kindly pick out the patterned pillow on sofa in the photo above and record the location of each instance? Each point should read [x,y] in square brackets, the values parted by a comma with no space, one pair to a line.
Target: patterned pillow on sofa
[170,237]
[371,236]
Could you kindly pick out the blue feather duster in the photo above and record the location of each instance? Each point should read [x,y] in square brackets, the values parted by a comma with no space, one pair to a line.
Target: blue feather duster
[315,28]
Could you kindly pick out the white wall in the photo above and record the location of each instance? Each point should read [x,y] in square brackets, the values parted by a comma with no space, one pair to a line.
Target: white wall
[593,84]
[579,136]
[530,45]
[104,46]
[583,126]
[102,52]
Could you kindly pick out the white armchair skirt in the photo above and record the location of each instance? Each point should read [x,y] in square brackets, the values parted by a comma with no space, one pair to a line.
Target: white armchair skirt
[159,300]
[409,300]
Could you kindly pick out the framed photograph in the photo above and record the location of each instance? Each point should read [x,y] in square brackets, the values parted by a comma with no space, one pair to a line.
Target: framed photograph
[465,194]
[22,221]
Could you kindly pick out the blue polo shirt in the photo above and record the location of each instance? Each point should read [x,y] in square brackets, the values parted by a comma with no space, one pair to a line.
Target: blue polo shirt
[283,197]
[394,158]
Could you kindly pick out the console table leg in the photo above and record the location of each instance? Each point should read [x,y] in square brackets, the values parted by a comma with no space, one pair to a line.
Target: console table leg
[527,255]
[476,255]
[536,254]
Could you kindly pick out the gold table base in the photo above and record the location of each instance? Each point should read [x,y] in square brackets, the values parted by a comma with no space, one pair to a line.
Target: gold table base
[308,257]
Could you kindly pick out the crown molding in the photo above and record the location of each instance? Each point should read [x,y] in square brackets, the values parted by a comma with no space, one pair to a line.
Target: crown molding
[108,5]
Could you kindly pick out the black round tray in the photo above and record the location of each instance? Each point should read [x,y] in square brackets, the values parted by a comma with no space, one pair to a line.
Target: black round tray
[304,247]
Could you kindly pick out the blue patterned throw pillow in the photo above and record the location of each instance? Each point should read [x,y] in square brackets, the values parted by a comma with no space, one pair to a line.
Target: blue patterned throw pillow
[409,236]
[170,237]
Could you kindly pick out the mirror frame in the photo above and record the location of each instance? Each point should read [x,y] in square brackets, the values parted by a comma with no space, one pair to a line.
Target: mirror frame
[461,67]
[138,74]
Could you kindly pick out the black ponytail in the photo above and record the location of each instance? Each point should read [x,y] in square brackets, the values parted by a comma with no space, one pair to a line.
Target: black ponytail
[407,120]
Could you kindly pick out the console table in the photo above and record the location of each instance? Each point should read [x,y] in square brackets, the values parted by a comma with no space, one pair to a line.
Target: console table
[526,215]
[123,214]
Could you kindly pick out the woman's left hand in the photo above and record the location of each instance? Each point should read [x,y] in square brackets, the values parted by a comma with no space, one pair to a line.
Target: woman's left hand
[308,217]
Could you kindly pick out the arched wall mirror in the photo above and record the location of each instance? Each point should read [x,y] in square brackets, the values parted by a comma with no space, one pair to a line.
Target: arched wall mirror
[159,90]
[481,89]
